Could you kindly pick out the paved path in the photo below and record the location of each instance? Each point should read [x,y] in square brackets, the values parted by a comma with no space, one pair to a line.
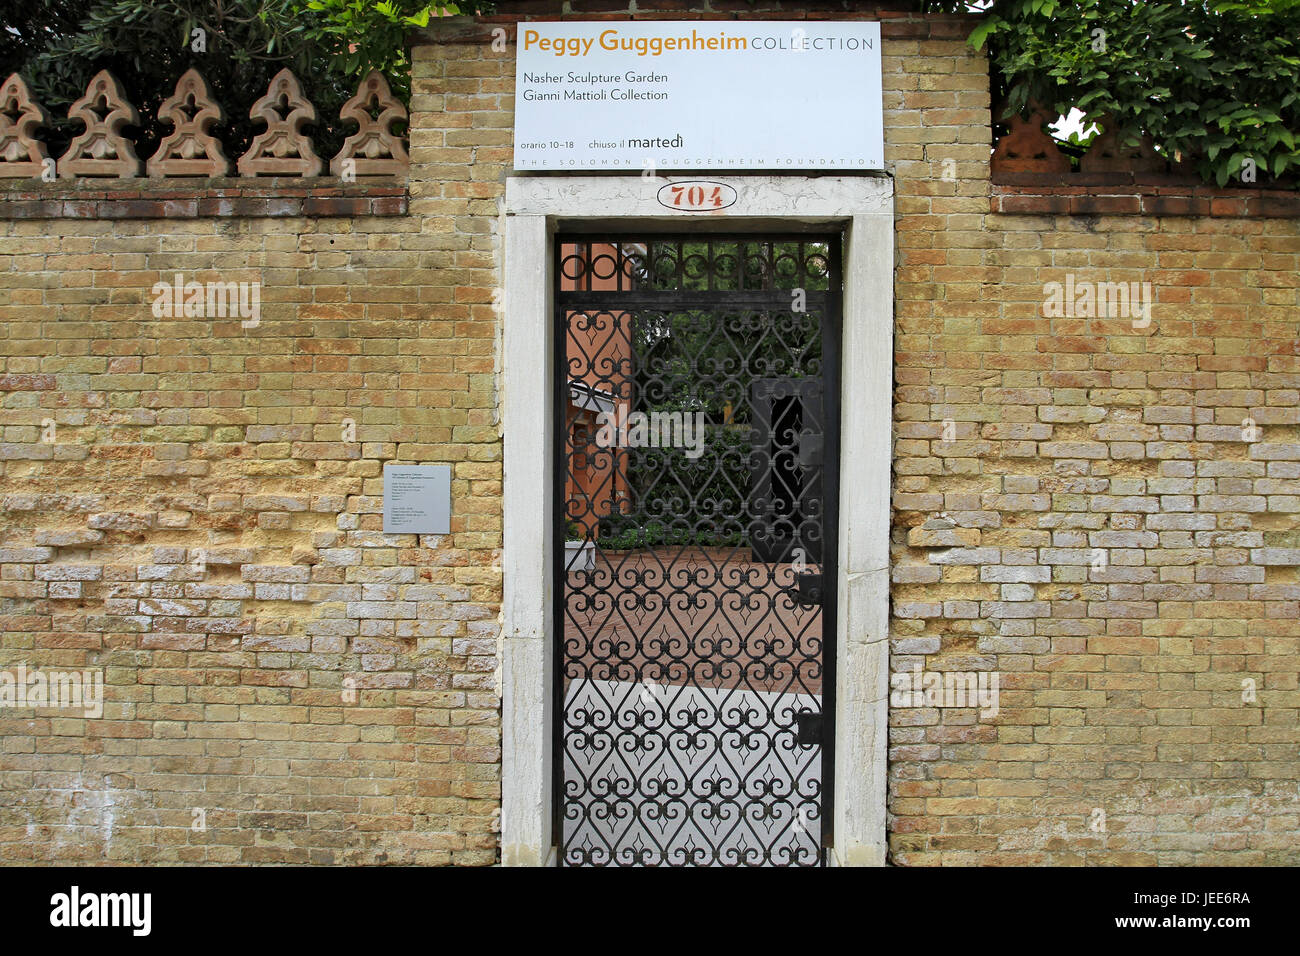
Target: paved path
[674,775]
[708,617]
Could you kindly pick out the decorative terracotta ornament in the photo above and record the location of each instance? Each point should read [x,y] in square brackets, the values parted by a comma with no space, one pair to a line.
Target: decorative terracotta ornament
[190,149]
[102,150]
[22,156]
[283,149]
[373,149]
[1107,154]
[1027,149]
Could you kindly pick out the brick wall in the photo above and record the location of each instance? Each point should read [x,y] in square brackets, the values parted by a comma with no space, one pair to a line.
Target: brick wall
[285,683]
[1026,444]
[1110,541]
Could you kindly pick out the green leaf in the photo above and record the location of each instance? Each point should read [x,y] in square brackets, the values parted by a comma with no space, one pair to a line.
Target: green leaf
[982,32]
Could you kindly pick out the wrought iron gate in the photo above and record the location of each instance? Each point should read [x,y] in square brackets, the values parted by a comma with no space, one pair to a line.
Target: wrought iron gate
[697,403]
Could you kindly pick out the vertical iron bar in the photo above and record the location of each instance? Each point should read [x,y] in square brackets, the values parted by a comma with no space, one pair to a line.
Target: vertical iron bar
[560,578]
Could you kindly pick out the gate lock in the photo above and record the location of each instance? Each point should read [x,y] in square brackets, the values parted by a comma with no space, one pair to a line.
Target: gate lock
[811,449]
[810,728]
[808,589]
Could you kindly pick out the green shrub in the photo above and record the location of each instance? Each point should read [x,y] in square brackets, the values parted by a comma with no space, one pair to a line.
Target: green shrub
[1214,83]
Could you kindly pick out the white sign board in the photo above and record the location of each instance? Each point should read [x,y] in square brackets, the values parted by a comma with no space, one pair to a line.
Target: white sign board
[683,94]
[417,499]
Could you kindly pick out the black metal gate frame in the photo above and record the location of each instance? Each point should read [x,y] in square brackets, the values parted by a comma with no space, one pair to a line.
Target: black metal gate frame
[831,371]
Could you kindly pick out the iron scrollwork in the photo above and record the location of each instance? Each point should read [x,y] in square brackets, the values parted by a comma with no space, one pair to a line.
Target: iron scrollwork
[697,396]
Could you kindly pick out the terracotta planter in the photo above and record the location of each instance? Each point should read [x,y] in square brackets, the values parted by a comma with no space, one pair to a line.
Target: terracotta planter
[579,555]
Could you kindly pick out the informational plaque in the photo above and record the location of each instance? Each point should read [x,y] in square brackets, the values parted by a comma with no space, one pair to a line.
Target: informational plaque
[417,499]
[726,94]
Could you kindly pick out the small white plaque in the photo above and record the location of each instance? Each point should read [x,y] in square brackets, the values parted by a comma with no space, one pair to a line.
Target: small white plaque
[417,499]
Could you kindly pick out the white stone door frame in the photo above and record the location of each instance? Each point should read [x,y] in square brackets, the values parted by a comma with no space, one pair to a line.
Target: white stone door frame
[535,208]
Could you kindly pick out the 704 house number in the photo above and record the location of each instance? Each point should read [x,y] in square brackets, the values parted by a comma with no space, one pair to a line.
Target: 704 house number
[696,196]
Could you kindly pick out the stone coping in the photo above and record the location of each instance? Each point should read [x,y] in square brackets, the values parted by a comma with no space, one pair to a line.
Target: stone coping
[1134,194]
[180,198]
